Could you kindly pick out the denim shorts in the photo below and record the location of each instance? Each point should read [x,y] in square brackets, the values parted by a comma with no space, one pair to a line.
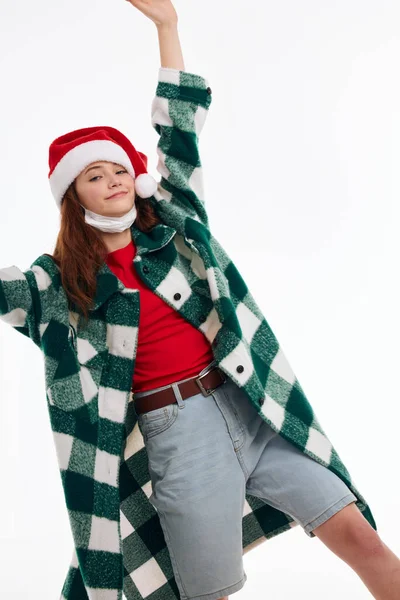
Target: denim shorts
[205,453]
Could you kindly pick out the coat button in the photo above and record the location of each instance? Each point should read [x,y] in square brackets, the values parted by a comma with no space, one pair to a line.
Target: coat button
[177,296]
[209,90]
[203,318]
[146,269]
[240,369]
[262,400]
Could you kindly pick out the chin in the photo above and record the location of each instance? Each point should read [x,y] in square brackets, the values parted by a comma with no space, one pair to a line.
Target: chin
[118,211]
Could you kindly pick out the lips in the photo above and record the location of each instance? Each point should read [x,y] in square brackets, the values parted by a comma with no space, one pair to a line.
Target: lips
[116,195]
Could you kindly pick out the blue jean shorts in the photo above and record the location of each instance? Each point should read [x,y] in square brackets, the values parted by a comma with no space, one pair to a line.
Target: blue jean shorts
[205,453]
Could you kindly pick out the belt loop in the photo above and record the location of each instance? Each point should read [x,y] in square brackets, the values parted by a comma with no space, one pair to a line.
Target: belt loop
[178,395]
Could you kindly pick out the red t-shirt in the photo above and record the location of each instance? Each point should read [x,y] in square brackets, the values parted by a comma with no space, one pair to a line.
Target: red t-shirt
[169,347]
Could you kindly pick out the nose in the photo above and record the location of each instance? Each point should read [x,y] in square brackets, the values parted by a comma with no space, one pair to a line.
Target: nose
[114,182]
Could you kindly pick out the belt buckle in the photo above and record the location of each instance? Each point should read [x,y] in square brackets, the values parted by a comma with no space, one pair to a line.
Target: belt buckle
[201,386]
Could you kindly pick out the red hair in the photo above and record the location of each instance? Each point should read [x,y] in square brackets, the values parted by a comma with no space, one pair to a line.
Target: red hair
[80,251]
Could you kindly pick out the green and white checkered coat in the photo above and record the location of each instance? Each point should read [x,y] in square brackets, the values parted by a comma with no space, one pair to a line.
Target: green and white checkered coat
[119,544]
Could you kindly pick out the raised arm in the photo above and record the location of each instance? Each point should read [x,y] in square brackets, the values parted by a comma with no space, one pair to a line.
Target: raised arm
[178,113]
[170,46]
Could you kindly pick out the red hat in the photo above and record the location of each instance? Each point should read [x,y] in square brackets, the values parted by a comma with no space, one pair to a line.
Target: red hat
[70,153]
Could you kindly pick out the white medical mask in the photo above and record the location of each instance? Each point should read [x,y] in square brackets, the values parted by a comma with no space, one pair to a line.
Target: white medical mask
[110,224]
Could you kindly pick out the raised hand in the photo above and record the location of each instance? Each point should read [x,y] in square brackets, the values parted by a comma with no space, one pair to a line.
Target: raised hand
[161,12]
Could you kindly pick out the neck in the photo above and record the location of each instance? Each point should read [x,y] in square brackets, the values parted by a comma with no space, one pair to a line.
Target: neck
[115,241]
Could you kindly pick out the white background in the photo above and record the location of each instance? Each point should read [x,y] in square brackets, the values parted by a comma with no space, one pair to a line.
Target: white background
[301,156]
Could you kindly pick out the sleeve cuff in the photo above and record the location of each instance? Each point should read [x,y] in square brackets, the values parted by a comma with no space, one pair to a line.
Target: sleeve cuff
[185,81]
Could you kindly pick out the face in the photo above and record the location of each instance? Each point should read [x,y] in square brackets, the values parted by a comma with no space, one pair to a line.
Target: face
[98,182]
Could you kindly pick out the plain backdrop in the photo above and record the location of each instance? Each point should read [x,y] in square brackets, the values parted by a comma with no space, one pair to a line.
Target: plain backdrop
[301,155]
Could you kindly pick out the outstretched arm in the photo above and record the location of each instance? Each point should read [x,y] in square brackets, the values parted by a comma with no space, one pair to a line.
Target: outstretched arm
[20,302]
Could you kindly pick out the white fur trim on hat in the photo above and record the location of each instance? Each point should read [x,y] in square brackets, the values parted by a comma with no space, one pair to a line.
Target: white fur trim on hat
[77,159]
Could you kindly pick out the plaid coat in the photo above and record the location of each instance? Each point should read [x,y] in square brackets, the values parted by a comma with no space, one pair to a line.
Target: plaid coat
[119,547]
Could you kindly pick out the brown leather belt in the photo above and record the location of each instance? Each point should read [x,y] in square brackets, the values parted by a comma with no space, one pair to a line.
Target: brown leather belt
[207,383]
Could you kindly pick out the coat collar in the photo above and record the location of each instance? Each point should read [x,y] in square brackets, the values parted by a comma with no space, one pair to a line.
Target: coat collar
[108,283]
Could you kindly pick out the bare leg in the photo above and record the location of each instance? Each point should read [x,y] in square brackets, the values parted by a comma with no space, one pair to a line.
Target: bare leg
[349,535]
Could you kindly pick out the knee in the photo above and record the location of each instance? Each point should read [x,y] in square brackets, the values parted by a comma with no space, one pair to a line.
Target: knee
[349,535]
[359,534]
[365,542]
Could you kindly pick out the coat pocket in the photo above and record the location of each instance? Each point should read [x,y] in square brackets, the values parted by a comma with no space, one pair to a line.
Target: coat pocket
[74,380]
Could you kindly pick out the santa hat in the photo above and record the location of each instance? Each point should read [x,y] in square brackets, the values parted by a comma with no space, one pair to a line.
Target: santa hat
[72,152]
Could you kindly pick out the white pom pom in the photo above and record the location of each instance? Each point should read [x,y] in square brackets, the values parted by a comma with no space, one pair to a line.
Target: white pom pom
[145,185]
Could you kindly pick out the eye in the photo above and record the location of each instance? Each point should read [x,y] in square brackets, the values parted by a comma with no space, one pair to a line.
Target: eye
[120,171]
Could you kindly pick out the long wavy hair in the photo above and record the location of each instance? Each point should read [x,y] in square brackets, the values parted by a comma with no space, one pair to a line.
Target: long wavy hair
[80,251]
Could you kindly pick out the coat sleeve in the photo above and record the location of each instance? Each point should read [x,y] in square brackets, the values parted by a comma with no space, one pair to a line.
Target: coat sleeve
[20,301]
[178,113]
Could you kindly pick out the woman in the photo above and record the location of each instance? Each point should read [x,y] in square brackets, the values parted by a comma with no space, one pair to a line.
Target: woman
[183,437]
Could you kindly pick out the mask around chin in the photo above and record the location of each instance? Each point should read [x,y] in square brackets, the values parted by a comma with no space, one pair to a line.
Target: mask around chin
[110,224]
